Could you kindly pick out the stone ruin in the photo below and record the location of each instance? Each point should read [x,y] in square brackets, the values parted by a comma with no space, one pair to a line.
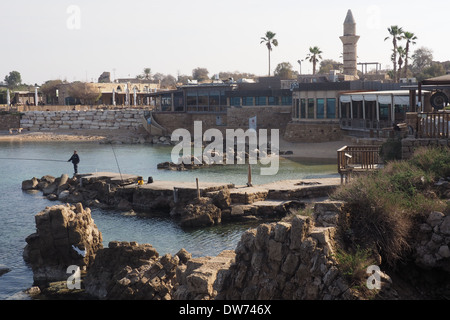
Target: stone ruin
[65,235]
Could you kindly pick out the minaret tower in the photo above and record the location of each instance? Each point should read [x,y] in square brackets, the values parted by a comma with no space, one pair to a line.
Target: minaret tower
[350,39]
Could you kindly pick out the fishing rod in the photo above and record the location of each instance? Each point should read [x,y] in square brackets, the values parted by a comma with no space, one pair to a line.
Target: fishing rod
[33,159]
[117,162]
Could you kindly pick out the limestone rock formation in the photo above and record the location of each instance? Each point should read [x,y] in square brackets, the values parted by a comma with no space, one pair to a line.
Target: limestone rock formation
[65,235]
[200,212]
[203,278]
[132,271]
[286,260]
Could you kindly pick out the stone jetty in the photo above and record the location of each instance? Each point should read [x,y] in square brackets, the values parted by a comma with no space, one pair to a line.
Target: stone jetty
[192,204]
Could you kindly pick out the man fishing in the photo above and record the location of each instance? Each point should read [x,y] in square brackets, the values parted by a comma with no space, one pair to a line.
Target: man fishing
[75,160]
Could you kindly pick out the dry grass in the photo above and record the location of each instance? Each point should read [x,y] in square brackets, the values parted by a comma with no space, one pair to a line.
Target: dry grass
[385,207]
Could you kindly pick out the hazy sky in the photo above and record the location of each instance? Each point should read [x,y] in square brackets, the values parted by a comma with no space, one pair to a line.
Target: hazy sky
[79,39]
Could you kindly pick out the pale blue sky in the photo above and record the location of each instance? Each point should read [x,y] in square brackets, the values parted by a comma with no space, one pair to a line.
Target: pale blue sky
[43,40]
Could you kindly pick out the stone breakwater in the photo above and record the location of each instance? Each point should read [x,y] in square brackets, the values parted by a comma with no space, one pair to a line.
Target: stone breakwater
[126,119]
[218,202]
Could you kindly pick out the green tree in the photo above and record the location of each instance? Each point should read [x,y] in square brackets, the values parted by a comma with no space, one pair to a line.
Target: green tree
[327,65]
[87,93]
[436,69]
[270,42]
[285,71]
[422,58]
[49,90]
[200,74]
[313,56]
[13,80]
[147,73]
[410,40]
[397,34]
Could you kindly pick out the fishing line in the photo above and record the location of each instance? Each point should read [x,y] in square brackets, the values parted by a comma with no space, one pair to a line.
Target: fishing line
[33,159]
[117,162]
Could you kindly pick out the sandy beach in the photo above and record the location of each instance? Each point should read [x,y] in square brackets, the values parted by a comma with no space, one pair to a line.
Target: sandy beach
[300,150]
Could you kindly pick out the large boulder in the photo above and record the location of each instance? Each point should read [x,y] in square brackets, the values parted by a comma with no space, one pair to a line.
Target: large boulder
[201,212]
[65,236]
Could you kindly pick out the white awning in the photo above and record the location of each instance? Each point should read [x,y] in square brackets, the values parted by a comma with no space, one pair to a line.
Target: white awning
[385,99]
[357,97]
[370,97]
[346,99]
[402,100]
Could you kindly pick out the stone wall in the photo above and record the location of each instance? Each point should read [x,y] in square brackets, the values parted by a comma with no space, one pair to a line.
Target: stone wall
[409,145]
[272,117]
[313,131]
[90,119]
[8,121]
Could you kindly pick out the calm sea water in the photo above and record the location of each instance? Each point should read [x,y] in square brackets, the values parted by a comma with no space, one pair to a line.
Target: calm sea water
[18,208]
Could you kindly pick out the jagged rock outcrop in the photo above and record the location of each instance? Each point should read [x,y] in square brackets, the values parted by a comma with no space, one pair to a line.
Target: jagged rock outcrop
[201,212]
[132,271]
[65,235]
[203,278]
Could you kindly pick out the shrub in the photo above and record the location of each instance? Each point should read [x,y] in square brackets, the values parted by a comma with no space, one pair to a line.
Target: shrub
[385,206]
[353,265]
[435,161]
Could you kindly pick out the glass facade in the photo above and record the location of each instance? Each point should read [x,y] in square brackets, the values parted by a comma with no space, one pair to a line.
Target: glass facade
[235,101]
[331,108]
[310,108]
[260,101]
[302,108]
[247,101]
[320,112]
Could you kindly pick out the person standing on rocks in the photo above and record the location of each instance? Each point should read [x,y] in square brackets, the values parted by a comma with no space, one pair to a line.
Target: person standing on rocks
[75,160]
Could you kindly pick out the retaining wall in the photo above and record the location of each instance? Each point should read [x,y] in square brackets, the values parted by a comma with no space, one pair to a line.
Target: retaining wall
[90,119]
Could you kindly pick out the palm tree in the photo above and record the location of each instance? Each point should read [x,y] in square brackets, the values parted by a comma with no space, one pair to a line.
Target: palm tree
[314,55]
[410,39]
[401,55]
[147,73]
[270,41]
[397,34]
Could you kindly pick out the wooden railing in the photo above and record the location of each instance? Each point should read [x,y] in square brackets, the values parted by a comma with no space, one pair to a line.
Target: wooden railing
[433,125]
[357,159]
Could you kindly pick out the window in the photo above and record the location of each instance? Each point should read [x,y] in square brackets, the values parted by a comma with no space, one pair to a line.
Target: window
[286,101]
[202,98]
[302,108]
[235,101]
[260,101]
[310,108]
[214,98]
[331,108]
[273,101]
[384,111]
[191,99]
[320,108]
[166,102]
[178,101]
[297,109]
[223,98]
[247,101]
[345,106]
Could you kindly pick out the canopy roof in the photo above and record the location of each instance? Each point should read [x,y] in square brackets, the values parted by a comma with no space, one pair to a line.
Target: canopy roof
[445,80]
